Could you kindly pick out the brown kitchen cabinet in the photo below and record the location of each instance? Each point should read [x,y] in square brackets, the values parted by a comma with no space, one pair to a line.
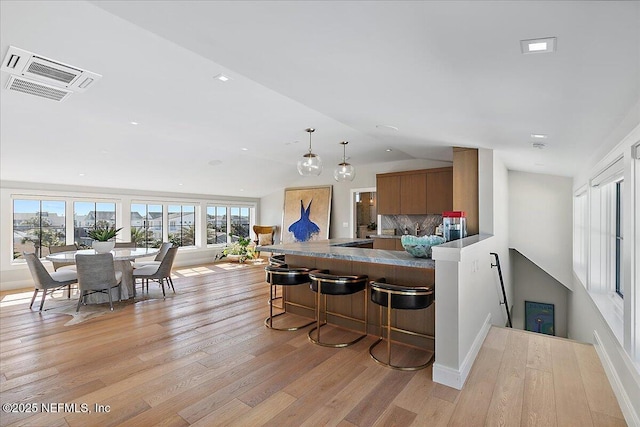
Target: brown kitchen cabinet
[465,186]
[388,194]
[388,244]
[439,191]
[419,192]
[413,193]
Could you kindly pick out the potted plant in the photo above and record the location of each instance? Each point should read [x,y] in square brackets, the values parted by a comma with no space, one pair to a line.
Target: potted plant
[102,236]
[240,250]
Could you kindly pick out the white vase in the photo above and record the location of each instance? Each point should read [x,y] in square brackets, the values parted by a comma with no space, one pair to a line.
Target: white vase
[103,247]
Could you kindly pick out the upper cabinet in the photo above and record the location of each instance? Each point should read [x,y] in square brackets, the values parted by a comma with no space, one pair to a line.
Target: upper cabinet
[388,192]
[440,190]
[419,192]
[413,193]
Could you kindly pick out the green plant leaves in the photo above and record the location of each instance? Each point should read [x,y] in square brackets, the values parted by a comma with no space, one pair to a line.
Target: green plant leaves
[103,234]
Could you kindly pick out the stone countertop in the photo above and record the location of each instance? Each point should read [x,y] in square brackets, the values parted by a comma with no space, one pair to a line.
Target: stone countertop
[394,236]
[343,249]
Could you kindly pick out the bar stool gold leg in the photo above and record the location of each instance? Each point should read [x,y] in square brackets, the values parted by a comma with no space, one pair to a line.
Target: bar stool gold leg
[388,328]
[389,332]
[319,324]
[268,322]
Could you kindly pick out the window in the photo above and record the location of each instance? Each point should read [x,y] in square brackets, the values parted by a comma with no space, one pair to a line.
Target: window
[619,279]
[89,215]
[37,225]
[146,225]
[182,225]
[216,224]
[239,223]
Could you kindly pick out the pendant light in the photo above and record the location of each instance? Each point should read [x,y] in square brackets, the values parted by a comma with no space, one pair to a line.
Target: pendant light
[310,164]
[344,171]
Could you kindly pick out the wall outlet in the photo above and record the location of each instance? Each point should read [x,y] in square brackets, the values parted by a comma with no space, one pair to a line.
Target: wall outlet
[345,225]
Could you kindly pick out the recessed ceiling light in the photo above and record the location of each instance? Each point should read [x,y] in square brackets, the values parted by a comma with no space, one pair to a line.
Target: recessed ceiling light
[180,184]
[244,149]
[538,136]
[539,145]
[387,127]
[242,189]
[388,150]
[214,162]
[80,174]
[134,123]
[544,45]
[222,77]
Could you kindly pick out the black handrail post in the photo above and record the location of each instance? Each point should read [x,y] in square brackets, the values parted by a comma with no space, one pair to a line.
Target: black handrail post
[504,293]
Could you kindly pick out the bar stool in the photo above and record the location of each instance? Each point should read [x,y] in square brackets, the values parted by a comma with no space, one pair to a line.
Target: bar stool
[323,283]
[277,260]
[402,298]
[284,276]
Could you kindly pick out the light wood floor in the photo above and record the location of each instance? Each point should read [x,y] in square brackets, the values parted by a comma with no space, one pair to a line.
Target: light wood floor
[203,357]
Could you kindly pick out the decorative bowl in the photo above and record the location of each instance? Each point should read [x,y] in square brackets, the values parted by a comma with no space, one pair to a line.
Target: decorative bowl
[103,247]
[420,247]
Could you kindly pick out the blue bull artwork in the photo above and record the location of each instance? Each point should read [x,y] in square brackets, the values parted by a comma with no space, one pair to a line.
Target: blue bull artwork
[303,229]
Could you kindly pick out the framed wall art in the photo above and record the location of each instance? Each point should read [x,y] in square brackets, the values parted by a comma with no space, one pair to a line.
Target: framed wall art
[306,215]
[539,317]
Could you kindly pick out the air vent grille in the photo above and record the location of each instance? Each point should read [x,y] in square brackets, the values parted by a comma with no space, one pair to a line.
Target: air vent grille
[53,74]
[50,72]
[38,89]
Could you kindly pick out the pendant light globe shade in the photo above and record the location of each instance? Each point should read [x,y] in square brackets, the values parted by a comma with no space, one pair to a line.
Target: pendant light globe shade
[344,171]
[310,164]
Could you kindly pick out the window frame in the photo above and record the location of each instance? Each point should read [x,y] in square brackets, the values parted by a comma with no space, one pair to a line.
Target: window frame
[146,221]
[251,213]
[196,207]
[95,201]
[39,199]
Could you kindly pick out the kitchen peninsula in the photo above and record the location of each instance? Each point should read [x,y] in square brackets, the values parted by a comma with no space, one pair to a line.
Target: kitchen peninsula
[355,256]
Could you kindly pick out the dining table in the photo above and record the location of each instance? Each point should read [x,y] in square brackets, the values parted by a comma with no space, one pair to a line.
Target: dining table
[122,258]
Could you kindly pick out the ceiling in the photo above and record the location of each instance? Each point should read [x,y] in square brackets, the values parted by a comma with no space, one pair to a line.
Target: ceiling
[443,73]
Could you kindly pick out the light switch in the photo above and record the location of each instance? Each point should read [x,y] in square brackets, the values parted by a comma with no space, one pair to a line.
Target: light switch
[345,224]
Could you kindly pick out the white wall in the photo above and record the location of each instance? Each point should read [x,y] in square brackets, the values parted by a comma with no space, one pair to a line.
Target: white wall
[498,217]
[468,293]
[531,283]
[540,221]
[586,320]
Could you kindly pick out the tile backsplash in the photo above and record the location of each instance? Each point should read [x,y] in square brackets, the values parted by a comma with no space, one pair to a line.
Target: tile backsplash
[428,223]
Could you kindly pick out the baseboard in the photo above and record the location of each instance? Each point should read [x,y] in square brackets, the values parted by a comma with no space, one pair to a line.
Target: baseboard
[631,416]
[457,377]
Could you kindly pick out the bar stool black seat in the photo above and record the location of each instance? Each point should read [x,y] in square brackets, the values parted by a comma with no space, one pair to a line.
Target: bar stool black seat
[323,283]
[284,276]
[402,298]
